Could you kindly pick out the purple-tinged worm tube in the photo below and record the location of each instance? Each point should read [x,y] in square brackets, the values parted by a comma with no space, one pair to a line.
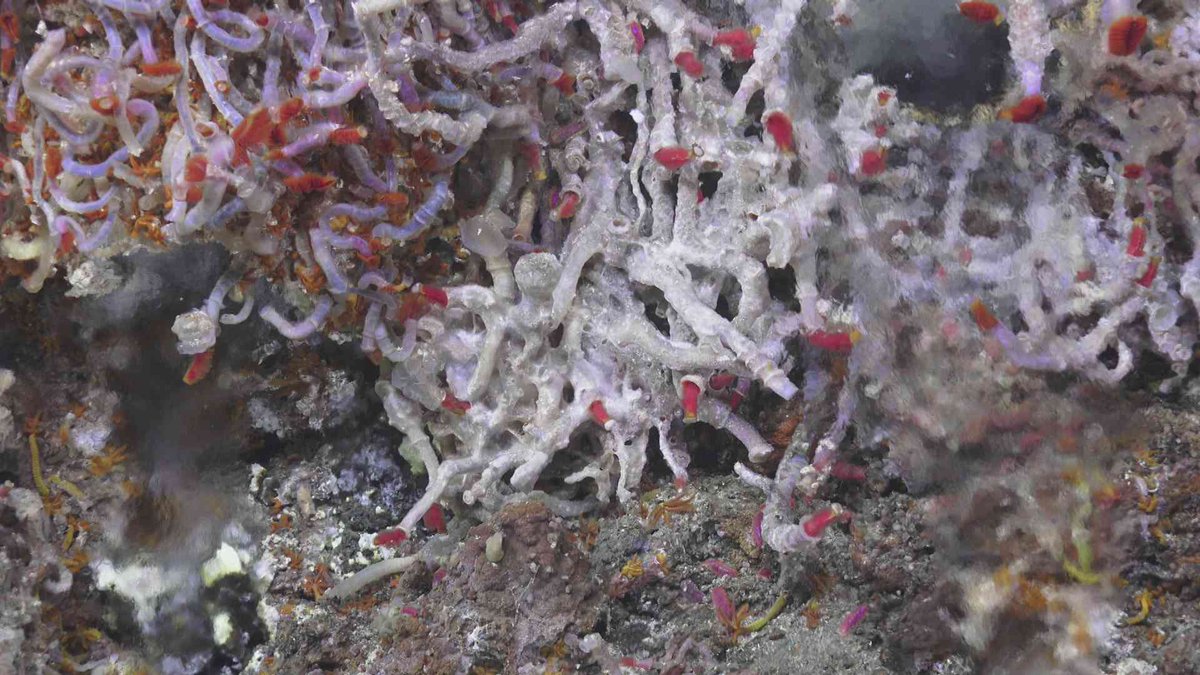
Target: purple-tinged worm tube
[303,328]
[322,252]
[242,314]
[208,23]
[145,41]
[226,213]
[356,156]
[135,7]
[182,104]
[209,79]
[421,219]
[138,107]
[72,206]
[321,32]
[339,96]
[83,241]
[357,212]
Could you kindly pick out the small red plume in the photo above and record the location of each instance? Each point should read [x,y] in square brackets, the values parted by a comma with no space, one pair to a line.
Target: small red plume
[817,522]
[979,12]
[690,395]
[391,537]
[689,64]
[161,68]
[873,162]
[739,41]
[1125,35]
[599,414]
[779,125]
[309,182]
[983,317]
[1137,242]
[639,37]
[1133,171]
[435,295]
[1151,272]
[199,368]
[568,205]
[673,157]
[449,402]
[435,519]
[1028,110]
[833,342]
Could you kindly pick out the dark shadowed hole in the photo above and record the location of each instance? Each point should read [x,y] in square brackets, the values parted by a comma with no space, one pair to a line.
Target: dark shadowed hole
[931,54]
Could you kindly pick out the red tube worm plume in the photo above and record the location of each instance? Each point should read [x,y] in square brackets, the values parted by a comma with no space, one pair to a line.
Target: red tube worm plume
[449,402]
[309,182]
[849,472]
[392,200]
[979,12]
[161,68]
[722,605]
[756,528]
[533,157]
[565,83]
[253,130]
[434,294]
[105,105]
[690,389]
[10,26]
[599,414]
[439,576]
[1133,171]
[1125,35]
[435,519]
[720,568]
[1151,272]
[391,537]
[873,162]
[852,619]
[637,664]
[348,136]
[722,380]
[195,169]
[983,316]
[510,23]
[833,342]
[740,42]
[1027,111]
[1137,242]
[815,524]
[673,158]
[568,205]
[67,244]
[290,109]
[779,125]
[199,368]
[639,37]
[689,64]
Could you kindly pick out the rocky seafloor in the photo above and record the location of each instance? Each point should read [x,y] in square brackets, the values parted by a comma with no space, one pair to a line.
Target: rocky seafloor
[203,539]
